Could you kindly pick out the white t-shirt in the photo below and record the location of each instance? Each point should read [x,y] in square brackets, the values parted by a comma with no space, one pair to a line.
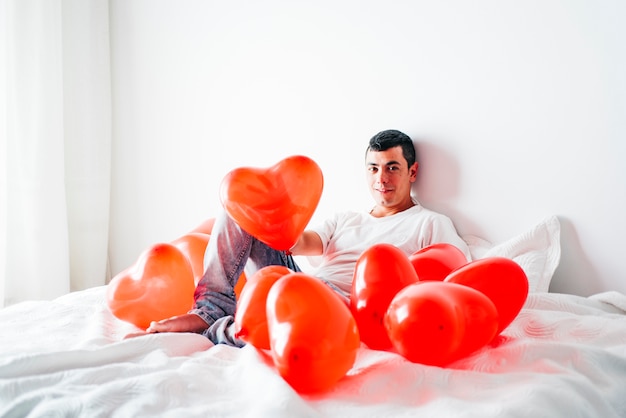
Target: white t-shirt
[348,234]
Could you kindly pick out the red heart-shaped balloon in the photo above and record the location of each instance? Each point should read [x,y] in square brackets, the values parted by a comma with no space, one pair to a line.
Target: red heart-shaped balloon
[274,204]
[436,261]
[313,336]
[158,286]
[250,316]
[501,279]
[380,272]
[193,246]
[436,323]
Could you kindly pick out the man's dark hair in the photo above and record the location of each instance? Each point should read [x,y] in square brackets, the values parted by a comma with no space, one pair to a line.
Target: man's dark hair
[390,138]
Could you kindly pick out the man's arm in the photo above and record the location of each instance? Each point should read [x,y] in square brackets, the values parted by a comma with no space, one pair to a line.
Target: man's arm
[309,243]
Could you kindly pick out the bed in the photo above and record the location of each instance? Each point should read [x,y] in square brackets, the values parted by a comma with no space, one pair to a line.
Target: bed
[563,355]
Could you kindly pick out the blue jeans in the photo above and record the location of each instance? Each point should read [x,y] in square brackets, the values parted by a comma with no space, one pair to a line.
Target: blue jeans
[230,248]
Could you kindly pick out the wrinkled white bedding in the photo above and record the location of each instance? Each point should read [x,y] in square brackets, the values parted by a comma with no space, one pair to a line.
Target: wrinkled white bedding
[564,355]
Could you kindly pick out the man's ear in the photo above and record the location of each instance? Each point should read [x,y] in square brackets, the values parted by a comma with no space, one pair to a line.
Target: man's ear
[413,172]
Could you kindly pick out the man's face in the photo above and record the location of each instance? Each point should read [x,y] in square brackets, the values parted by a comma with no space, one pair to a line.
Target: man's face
[389,178]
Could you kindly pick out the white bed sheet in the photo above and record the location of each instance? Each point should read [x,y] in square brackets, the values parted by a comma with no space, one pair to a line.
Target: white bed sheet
[564,355]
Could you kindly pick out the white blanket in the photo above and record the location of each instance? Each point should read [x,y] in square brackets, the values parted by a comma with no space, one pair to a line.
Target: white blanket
[563,356]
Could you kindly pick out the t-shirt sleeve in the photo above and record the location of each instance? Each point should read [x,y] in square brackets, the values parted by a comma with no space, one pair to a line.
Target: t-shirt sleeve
[442,230]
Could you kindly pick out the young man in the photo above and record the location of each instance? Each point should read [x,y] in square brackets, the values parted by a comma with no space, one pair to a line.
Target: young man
[396,218]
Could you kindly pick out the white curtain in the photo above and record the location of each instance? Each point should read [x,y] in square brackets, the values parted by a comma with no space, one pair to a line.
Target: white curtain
[55,145]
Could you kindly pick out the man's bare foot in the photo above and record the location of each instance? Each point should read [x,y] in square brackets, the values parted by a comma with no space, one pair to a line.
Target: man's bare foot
[181,323]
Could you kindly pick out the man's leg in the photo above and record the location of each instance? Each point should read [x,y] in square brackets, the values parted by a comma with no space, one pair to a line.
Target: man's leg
[229,250]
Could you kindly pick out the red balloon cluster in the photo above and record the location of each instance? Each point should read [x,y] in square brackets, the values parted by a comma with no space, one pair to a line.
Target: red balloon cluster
[311,334]
[434,307]
[273,204]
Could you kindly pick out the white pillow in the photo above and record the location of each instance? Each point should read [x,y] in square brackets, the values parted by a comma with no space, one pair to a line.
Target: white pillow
[537,251]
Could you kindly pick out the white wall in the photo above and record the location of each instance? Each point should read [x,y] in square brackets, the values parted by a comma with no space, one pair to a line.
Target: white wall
[518,110]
